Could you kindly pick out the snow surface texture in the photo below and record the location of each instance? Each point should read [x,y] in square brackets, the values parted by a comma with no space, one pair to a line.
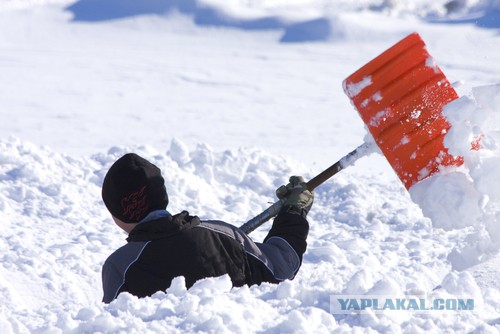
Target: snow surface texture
[206,91]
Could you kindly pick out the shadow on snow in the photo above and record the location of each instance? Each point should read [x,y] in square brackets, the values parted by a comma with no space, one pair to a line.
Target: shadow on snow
[104,10]
[488,18]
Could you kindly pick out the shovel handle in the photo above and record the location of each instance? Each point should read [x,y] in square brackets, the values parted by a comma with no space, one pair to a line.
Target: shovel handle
[319,179]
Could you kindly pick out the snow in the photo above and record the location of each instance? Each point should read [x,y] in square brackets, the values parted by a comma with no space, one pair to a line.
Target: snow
[354,89]
[230,98]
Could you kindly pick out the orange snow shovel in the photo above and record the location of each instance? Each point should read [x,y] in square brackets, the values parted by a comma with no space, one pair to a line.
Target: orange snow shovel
[400,96]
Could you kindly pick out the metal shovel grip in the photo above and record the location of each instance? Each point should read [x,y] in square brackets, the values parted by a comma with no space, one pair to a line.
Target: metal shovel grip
[319,179]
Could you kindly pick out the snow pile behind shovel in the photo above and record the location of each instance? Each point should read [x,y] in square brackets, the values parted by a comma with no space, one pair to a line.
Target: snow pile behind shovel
[469,197]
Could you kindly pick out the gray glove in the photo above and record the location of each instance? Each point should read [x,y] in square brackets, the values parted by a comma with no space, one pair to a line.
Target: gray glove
[297,197]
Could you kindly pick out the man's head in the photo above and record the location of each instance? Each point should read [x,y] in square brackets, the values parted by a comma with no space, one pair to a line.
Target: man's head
[132,188]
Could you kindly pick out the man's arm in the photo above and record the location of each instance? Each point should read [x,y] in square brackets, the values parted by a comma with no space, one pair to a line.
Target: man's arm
[115,269]
[290,228]
[293,228]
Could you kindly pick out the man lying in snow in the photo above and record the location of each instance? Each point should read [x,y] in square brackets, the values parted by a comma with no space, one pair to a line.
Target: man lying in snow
[161,246]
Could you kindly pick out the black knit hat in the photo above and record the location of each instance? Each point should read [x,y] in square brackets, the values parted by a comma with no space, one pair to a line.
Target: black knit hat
[132,188]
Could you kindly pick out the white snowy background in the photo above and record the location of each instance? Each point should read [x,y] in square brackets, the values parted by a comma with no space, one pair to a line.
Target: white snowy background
[230,98]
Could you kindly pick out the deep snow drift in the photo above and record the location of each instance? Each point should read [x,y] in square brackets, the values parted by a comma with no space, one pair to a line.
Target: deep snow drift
[229,113]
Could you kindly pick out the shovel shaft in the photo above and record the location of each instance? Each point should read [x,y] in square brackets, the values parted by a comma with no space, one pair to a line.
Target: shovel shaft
[260,219]
[346,161]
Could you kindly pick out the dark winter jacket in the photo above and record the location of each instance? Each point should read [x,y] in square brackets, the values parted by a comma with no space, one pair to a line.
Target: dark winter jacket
[181,245]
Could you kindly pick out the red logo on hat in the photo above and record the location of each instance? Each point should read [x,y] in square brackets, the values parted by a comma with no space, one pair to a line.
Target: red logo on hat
[135,206]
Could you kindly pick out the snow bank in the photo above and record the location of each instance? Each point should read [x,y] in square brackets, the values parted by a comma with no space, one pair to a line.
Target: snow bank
[301,21]
[469,197]
[366,237]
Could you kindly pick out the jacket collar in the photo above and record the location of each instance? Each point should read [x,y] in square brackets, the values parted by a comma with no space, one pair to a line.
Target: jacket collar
[162,226]
[154,215]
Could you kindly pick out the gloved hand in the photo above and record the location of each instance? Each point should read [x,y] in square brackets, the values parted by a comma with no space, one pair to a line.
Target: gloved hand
[298,198]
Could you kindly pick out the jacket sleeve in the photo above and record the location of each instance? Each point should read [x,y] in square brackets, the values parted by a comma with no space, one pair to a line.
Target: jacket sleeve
[111,282]
[293,228]
[115,268]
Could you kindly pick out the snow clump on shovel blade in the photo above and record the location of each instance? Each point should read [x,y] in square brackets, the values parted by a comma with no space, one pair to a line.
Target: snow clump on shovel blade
[468,196]
[353,89]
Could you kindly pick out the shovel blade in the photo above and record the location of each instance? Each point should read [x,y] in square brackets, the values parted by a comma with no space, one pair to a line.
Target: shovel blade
[400,96]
